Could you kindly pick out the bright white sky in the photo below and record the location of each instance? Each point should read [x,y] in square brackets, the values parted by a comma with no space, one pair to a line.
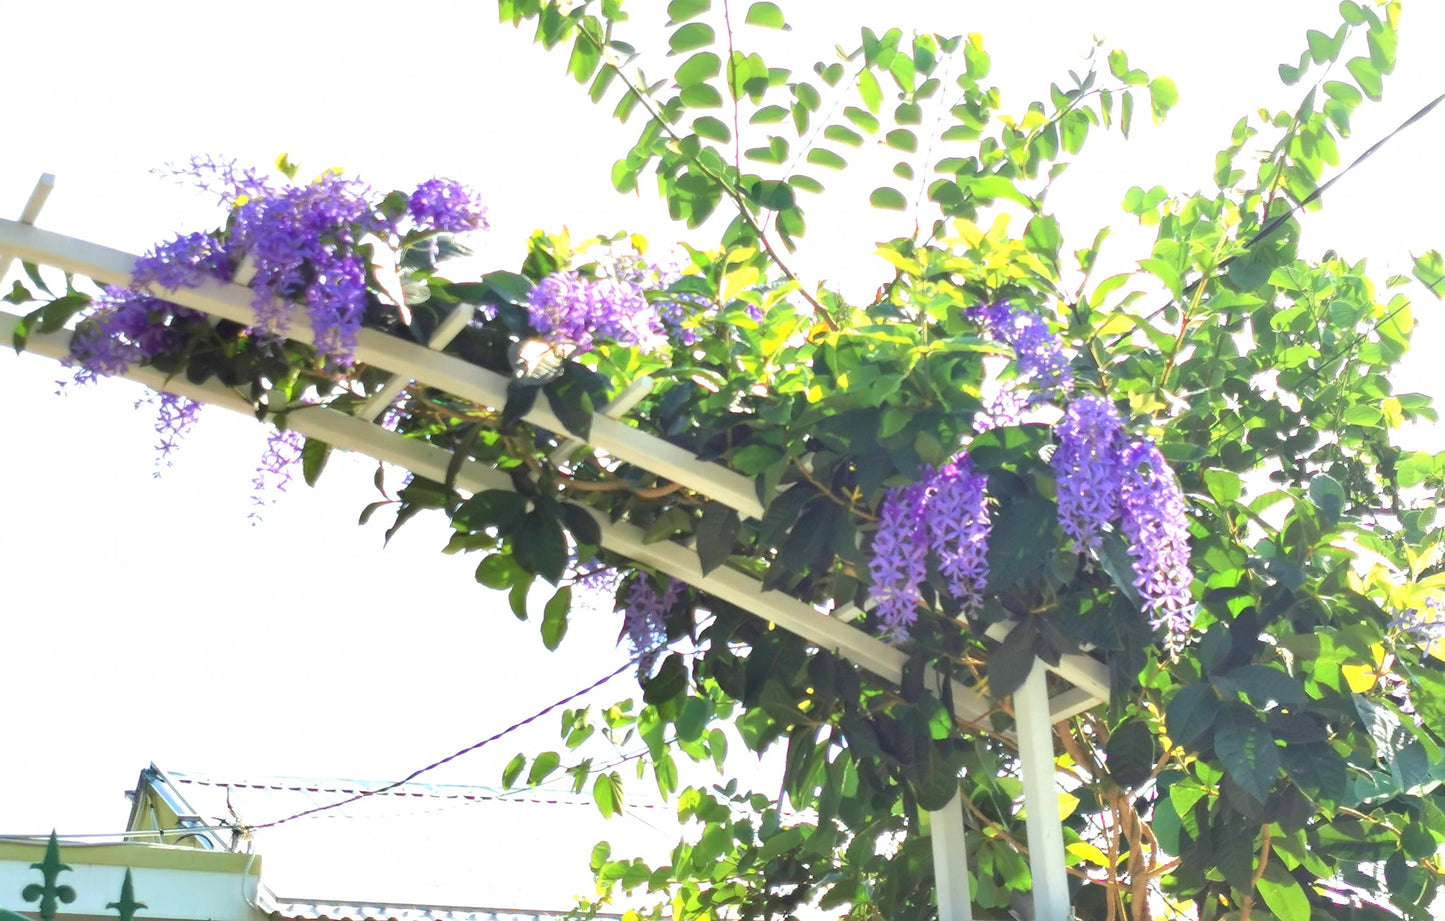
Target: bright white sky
[145,619]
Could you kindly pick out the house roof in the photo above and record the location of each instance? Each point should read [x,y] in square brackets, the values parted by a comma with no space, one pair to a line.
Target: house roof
[413,853]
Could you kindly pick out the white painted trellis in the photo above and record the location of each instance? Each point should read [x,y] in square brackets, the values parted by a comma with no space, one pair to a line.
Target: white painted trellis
[1034,710]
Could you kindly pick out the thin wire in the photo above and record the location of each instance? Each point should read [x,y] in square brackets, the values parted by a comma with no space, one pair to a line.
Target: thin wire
[452,757]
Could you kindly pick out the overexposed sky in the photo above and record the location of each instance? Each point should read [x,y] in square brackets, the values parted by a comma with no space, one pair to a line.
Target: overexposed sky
[144,618]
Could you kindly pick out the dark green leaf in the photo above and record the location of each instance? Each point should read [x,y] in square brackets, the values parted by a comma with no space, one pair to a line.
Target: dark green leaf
[1246,749]
[540,546]
[670,681]
[1010,663]
[716,533]
[1131,753]
[1191,713]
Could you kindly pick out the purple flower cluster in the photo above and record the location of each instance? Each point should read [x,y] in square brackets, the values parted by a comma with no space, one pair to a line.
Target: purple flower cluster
[645,619]
[959,525]
[578,311]
[900,559]
[1105,479]
[277,467]
[124,328]
[1038,353]
[1426,627]
[1157,525]
[173,420]
[300,242]
[945,511]
[448,206]
[594,587]
[1087,469]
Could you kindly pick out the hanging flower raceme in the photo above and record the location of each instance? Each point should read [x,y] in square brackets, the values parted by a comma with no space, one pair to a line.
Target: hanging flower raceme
[946,512]
[644,622]
[1038,353]
[1087,468]
[1103,480]
[1156,524]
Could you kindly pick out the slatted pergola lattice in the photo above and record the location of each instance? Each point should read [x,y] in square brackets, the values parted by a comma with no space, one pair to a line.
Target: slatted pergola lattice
[1034,710]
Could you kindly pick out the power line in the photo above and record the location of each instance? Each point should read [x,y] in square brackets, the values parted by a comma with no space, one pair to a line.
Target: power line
[452,757]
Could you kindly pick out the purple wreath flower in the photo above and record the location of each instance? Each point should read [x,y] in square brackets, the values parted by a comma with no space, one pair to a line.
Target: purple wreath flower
[447,205]
[579,311]
[1155,521]
[644,621]
[900,559]
[1087,468]
[174,418]
[958,526]
[1038,352]
[1424,626]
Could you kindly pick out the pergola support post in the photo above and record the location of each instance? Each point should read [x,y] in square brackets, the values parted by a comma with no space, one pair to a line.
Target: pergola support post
[1041,798]
[950,862]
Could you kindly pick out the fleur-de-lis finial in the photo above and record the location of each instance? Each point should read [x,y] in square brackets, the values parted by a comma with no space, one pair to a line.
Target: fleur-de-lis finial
[127,905]
[49,893]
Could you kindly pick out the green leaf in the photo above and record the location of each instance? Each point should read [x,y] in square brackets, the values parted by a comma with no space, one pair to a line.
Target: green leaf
[669,682]
[1247,750]
[771,194]
[1283,894]
[1191,713]
[1163,94]
[607,793]
[1131,753]
[314,454]
[767,15]
[870,91]
[1224,486]
[512,770]
[701,96]
[583,526]
[542,767]
[540,546]
[1328,496]
[716,533]
[822,157]
[1262,685]
[554,617]
[713,129]
[698,68]
[690,37]
[1429,270]
[901,139]
[1367,75]
[683,10]
[1010,663]
[842,135]
[54,315]
[888,199]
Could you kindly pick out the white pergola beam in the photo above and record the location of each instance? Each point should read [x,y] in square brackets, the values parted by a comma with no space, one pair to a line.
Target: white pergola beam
[29,214]
[354,434]
[446,331]
[405,359]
